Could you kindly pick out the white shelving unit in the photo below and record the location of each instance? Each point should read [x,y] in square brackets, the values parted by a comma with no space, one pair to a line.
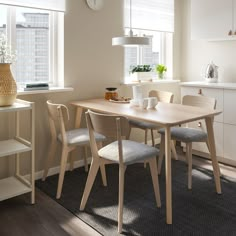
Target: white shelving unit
[16,185]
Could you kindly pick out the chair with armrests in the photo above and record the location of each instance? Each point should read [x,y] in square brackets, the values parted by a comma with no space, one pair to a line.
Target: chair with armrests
[188,135]
[69,139]
[118,151]
[162,96]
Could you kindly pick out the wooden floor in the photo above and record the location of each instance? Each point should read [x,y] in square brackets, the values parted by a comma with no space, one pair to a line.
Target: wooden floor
[46,217]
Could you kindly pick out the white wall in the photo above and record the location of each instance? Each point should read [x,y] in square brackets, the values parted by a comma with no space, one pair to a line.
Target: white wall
[198,53]
[91,65]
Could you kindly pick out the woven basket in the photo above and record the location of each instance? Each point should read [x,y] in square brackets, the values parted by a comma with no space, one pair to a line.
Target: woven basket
[8,89]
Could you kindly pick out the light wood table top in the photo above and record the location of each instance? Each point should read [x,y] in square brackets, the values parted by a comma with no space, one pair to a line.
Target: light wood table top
[165,114]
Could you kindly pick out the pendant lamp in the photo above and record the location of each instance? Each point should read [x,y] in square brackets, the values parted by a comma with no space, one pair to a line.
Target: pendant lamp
[130,39]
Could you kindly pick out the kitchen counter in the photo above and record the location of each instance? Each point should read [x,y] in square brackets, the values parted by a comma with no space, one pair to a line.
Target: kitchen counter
[209,85]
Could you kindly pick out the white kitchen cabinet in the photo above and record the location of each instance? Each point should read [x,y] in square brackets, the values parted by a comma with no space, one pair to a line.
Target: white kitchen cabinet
[224,124]
[12,148]
[229,110]
[213,19]
[230,142]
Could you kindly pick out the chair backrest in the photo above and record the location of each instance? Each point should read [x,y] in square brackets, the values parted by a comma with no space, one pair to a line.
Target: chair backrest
[111,126]
[199,101]
[162,96]
[58,116]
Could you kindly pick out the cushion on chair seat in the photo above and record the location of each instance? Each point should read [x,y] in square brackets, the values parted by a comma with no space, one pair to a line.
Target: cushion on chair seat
[80,136]
[132,152]
[142,124]
[186,134]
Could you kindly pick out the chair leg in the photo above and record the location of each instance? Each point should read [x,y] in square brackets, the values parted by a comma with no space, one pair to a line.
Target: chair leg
[189,156]
[161,153]
[71,160]
[51,154]
[102,168]
[122,169]
[64,156]
[155,181]
[218,167]
[152,135]
[86,158]
[173,150]
[89,183]
[103,173]
[145,136]
[145,141]
[129,132]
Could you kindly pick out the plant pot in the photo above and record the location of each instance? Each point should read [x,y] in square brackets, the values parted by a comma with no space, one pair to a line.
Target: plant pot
[142,76]
[160,75]
[8,89]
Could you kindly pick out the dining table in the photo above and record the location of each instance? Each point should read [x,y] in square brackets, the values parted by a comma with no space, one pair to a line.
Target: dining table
[165,115]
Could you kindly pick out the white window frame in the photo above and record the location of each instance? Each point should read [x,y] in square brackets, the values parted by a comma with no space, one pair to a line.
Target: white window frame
[56,44]
[164,56]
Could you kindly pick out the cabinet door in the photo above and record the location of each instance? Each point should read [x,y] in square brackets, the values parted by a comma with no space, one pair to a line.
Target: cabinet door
[209,92]
[229,104]
[230,142]
[211,19]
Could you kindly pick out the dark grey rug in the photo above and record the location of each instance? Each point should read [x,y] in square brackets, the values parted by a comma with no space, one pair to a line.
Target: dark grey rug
[198,212]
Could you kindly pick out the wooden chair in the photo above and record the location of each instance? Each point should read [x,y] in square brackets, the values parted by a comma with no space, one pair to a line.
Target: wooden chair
[162,96]
[121,152]
[187,135]
[70,140]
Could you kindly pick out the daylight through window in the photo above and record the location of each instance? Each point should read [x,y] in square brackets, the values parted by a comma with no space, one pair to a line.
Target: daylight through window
[33,33]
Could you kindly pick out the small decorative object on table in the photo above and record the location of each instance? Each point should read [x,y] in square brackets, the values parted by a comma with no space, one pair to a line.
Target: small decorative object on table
[161,69]
[111,93]
[8,89]
[141,73]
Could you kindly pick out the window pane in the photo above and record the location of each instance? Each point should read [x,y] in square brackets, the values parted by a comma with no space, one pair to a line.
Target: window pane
[32,45]
[3,19]
[143,55]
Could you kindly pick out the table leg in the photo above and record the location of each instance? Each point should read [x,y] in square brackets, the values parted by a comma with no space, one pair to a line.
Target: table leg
[168,176]
[212,149]
[78,115]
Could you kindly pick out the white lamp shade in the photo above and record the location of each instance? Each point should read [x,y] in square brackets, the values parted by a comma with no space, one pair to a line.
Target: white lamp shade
[130,40]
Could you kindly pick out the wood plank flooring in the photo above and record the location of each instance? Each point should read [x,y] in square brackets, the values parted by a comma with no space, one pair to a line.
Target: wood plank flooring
[19,218]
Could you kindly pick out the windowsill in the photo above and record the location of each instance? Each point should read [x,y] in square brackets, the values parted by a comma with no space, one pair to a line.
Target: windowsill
[163,81]
[50,90]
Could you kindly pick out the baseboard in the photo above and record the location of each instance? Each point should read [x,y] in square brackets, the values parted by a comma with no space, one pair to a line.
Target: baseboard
[55,170]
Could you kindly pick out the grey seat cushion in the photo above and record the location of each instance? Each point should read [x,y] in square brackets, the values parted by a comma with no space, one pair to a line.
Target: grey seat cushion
[186,134]
[142,124]
[80,137]
[132,152]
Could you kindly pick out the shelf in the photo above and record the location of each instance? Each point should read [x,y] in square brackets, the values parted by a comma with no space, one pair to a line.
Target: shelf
[12,146]
[17,106]
[12,187]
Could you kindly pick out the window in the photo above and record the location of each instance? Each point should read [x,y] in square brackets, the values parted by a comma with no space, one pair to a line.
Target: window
[154,19]
[36,34]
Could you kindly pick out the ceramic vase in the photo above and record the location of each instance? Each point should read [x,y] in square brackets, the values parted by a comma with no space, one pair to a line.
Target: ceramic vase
[8,89]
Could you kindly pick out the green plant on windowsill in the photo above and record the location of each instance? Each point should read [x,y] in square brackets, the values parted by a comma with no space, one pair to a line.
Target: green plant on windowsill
[141,68]
[141,73]
[161,69]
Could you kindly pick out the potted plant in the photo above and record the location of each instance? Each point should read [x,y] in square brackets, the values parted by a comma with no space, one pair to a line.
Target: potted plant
[161,69]
[141,72]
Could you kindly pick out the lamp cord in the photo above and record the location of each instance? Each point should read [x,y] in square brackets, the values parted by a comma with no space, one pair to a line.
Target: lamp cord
[130,19]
